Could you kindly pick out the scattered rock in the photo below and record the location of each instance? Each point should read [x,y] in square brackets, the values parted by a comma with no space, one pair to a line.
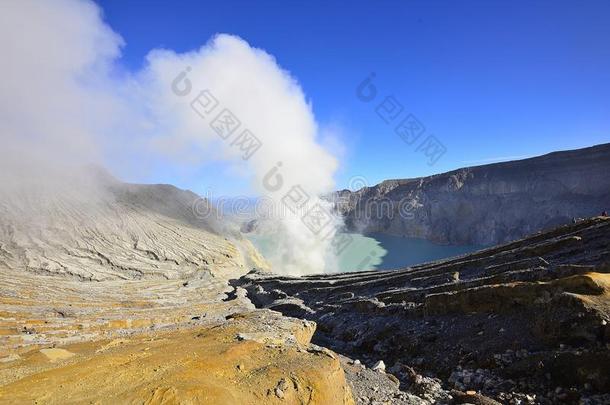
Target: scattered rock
[379,366]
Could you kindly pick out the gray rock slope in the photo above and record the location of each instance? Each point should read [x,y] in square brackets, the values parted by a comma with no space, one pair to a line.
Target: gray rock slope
[93,227]
[486,204]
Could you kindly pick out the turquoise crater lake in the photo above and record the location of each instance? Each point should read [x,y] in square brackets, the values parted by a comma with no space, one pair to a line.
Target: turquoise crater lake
[378,251]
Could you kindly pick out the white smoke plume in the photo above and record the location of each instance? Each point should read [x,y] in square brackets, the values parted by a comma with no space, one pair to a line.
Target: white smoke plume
[64,98]
[54,79]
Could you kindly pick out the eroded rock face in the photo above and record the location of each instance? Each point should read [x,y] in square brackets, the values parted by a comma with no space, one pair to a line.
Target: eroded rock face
[524,321]
[486,204]
[90,226]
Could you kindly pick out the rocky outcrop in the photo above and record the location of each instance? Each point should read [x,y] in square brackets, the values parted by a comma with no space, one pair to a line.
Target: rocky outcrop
[523,322]
[256,358]
[487,204]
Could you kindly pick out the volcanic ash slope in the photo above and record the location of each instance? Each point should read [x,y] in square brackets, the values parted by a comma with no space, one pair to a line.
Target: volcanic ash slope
[115,293]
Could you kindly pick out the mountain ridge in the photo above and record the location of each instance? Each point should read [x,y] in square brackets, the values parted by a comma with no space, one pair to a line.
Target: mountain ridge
[485,204]
[94,227]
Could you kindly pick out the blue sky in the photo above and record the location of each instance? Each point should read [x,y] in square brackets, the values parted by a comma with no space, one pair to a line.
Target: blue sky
[490,79]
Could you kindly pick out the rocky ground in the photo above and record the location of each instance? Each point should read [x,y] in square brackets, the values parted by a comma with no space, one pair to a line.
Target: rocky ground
[525,322]
[182,341]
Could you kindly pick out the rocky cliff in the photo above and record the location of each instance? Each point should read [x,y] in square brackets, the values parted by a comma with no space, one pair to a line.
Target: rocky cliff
[486,204]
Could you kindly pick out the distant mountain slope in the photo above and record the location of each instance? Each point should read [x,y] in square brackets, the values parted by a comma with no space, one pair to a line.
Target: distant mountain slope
[93,227]
[486,204]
